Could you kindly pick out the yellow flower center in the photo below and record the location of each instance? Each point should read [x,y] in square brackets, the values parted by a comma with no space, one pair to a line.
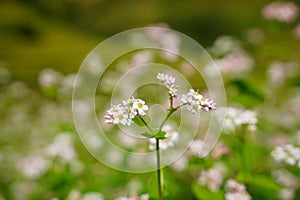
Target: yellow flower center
[120,117]
[140,105]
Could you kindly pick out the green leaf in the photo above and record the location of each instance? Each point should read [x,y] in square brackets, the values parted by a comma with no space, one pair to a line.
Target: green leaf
[264,181]
[147,135]
[160,135]
[203,193]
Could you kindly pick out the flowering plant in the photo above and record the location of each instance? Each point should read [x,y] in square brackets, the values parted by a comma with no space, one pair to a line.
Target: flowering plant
[133,110]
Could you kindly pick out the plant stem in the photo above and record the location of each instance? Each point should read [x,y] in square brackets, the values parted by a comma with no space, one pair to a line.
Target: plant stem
[146,124]
[159,178]
[171,111]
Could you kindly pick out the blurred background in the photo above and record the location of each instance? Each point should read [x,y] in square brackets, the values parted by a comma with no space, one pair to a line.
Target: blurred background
[59,34]
[43,43]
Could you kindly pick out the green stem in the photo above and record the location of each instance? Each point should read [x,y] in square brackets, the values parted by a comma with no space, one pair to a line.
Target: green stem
[171,111]
[146,124]
[159,174]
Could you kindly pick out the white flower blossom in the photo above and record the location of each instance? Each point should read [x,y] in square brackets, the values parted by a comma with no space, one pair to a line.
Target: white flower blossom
[62,147]
[286,194]
[169,141]
[169,82]
[236,117]
[286,178]
[124,113]
[33,167]
[288,154]
[196,102]
[92,196]
[49,77]
[140,106]
[236,191]
[135,197]
[195,147]
[280,10]
[237,196]
[212,178]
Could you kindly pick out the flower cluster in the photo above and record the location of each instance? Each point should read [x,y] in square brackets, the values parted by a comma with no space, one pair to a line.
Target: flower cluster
[196,102]
[288,154]
[169,82]
[282,11]
[236,117]
[124,113]
[236,190]
[141,197]
[212,178]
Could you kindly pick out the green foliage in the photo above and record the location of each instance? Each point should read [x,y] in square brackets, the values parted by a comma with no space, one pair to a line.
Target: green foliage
[202,193]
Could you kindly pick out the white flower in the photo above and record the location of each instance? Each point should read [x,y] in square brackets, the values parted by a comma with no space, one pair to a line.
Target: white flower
[288,154]
[92,196]
[169,82]
[33,167]
[140,106]
[125,113]
[286,178]
[236,63]
[212,178]
[62,147]
[195,147]
[234,186]
[196,102]
[49,77]
[237,196]
[134,197]
[144,197]
[236,191]
[121,116]
[124,198]
[286,194]
[169,141]
[282,11]
[236,117]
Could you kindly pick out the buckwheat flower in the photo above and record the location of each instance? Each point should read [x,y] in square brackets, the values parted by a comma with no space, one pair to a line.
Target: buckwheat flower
[219,150]
[195,147]
[196,102]
[144,197]
[286,178]
[49,77]
[125,198]
[142,57]
[236,191]
[169,141]
[124,113]
[234,186]
[92,196]
[140,106]
[117,114]
[62,147]
[169,82]
[288,154]
[212,178]
[121,116]
[237,196]
[33,167]
[286,194]
[134,197]
[282,11]
[236,63]
[236,117]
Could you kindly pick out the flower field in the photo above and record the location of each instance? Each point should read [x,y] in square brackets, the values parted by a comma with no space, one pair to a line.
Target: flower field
[44,154]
